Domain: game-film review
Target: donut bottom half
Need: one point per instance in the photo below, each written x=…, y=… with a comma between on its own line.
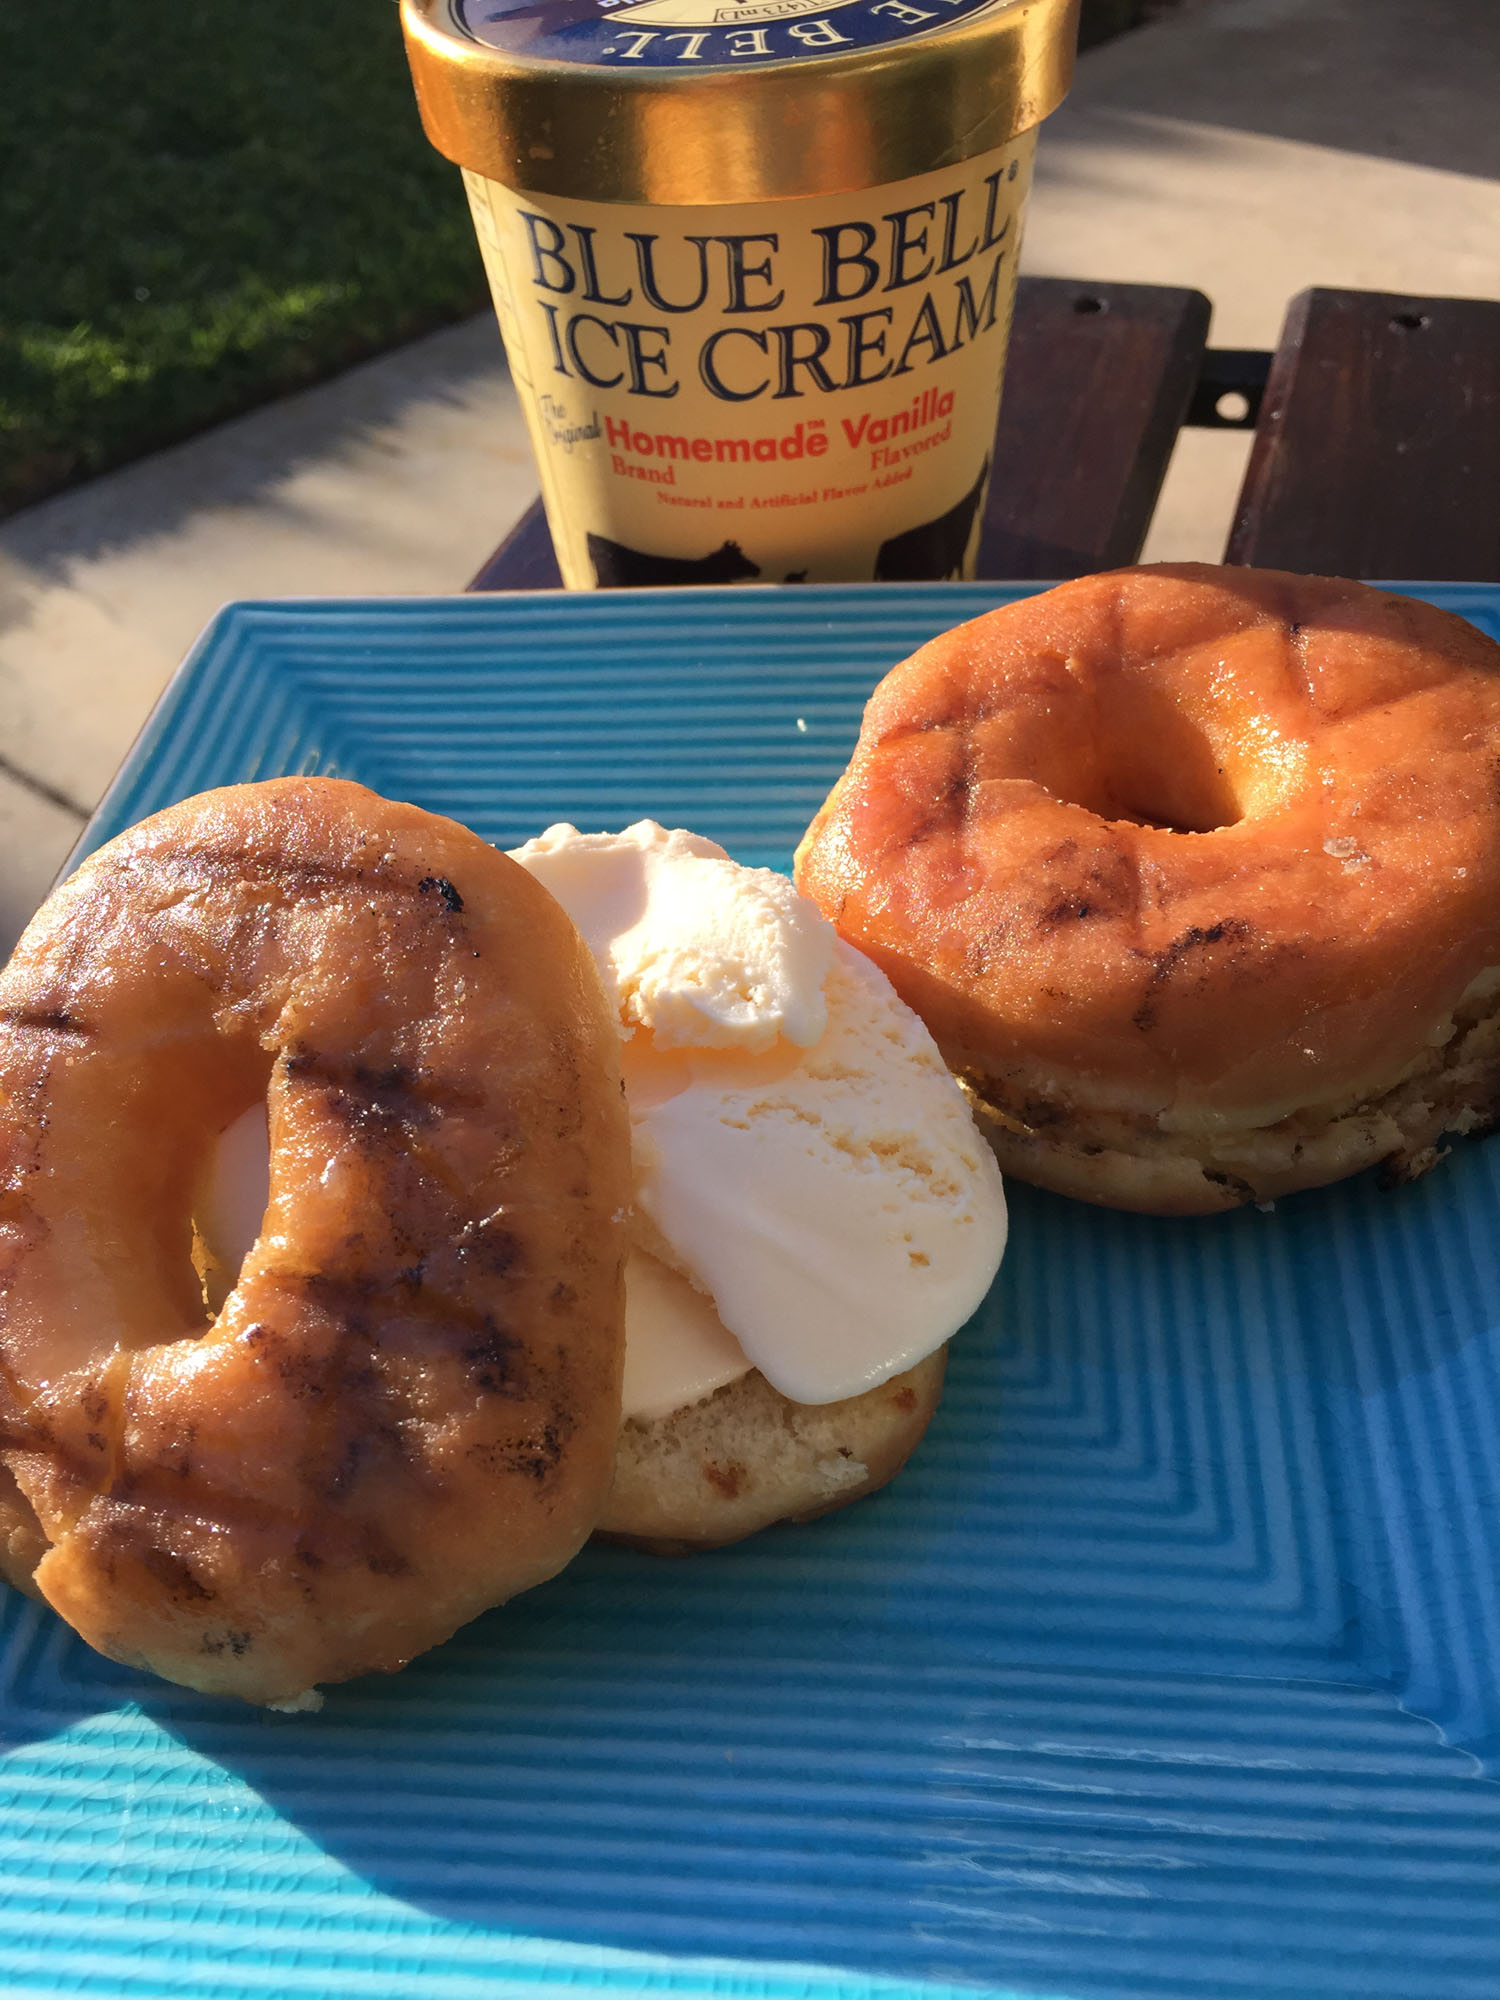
x=746, y=1457
x=1117, y=1160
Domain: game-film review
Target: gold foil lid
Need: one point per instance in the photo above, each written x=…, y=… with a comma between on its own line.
x=711, y=101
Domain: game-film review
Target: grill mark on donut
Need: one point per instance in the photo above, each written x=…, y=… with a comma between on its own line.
x=337, y=1378
x=52, y=1021
x=1165, y=964
x=1298, y=662
x=424, y=1155
x=950, y=804
x=568, y=1094
x=952, y=809
x=499, y=1253
x=895, y=733
x=384, y=1558
x=305, y=1375
x=475, y=1337
x=183, y=875
x=349, y=1302
x=94, y=1464
x=143, y=1523
x=22, y=1405
x=1069, y=908
x=389, y=1112
x=297, y=878
x=302, y=871
x=337, y=1482
x=339, y=1301
x=174, y=1571
x=903, y=731
x=1106, y=887
x=491, y=1360
x=215, y=1643
x=981, y=950
x=535, y=1458
x=445, y=889
x=392, y=1096
x=358, y=1437
x=175, y=1456
x=58, y=1484
x=342, y=1384
x=348, y=1387
x=958, y=793
x=345, y=1299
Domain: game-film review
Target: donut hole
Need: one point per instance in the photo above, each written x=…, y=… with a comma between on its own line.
x=229, y=1209
x=1177, y=789
x=1157, y=767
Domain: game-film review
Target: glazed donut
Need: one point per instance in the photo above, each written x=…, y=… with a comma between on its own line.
x=407, y=1409
x=1194, y=874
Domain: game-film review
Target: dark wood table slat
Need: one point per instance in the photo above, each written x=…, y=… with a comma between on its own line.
x=1098, y=382
x=525, y=560
x=1378, y=448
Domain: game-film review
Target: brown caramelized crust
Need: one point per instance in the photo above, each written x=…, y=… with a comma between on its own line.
x=1174, y=860
x=407, y=1409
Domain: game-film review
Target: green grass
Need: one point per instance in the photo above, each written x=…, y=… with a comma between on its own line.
x=201, y=208
x=204, y=207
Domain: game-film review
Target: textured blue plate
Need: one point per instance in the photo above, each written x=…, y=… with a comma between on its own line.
x=1170, y=1668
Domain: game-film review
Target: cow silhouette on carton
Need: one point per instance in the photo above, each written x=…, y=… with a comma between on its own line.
x=617, y=567
x=933, y=548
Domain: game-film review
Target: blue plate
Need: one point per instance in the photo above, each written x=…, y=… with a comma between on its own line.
x=1171, y=1667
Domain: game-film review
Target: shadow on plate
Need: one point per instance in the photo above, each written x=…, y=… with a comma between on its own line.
x=1195, y=1544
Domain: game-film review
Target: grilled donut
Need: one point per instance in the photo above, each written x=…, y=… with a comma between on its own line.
x=1194, y=874
x=407, y=1408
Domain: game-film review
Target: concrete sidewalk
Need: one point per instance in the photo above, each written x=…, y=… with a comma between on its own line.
x=1245, y=147
x=397, y=477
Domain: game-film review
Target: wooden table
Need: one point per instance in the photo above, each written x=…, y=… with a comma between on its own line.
x=1376, y=453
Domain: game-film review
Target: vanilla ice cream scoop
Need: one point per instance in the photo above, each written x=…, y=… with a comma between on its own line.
x=704, y=953
x=801, y=1153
